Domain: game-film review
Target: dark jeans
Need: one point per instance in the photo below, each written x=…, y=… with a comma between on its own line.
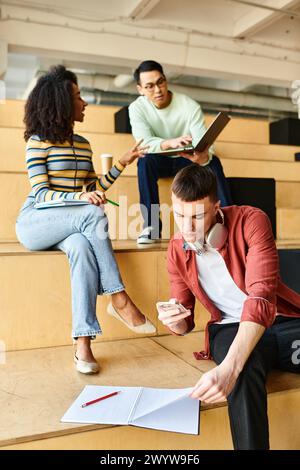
x=153, y=167
x=247, y=403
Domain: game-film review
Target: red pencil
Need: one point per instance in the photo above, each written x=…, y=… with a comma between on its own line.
x=99, y=399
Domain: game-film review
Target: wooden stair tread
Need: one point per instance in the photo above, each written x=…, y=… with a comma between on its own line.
x=38, y=386
x=288, y=244
x=10, y=247
x=12, y=144
x=183, y=347
x=100, y=119
x=119, y=246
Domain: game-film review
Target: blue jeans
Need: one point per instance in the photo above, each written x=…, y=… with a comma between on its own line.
x=153, y=167
x=78, y=232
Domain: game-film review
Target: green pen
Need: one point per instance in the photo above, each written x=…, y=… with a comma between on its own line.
x=113, y=203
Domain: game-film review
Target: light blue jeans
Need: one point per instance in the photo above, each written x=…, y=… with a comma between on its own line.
x=78, y=232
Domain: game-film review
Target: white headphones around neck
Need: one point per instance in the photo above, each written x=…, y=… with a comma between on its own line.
x=215, y=238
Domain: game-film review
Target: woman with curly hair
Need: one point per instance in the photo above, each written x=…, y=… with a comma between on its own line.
x=60, y=166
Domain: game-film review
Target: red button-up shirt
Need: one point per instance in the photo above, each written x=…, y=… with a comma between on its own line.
x=251, y=257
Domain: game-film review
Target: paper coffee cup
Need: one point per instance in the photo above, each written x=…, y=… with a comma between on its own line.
x=106, y=162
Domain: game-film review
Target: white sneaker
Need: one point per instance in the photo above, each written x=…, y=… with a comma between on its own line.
x=145, y=237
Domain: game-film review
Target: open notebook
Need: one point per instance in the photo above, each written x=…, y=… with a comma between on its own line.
x=60, y=202
x=154, y=408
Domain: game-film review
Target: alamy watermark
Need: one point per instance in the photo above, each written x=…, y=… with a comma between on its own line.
x=126, y=221
x=296, y=354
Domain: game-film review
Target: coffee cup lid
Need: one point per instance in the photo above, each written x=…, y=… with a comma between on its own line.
x=106, y=155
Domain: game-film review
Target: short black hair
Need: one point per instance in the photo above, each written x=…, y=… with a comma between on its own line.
x=147, y=66
x=49, y=109
x=195, y=182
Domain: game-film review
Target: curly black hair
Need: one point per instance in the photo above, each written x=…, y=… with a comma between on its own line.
x=49, y=108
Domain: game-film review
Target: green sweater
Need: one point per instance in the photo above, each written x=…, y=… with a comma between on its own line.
x=182, y=116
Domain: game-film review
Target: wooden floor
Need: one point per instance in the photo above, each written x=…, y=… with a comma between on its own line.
x=38, y=386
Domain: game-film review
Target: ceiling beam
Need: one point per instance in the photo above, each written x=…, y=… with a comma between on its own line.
x=261, y=16
x=125, y=46
x=107, y=48
x=141, y=8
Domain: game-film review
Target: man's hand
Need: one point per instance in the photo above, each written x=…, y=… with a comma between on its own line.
x=197, y=157
x=173, y=318
x=94, y=197
x=176, y=143
x=215, y=385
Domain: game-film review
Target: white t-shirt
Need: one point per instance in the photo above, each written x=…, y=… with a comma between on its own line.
x=218, y=284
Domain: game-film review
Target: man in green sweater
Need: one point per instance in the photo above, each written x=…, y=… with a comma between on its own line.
x=166, y=120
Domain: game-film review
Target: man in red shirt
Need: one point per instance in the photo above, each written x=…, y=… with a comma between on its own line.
x=228, y=261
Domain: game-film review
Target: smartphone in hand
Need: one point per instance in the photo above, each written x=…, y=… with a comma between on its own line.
x=166, y=306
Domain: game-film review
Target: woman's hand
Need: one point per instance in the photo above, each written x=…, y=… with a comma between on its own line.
x=95, y=197
x=133, y=154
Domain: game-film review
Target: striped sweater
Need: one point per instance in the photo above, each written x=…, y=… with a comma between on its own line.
x=58, y=170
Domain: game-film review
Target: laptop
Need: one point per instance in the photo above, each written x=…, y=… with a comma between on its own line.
x=207, y=139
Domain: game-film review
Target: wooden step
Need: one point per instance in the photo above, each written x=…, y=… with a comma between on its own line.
x=288, y=224
x=12, y=150
x=14, y=187
x=12, y=147
x=37, y=387
x=183, y=345
x=288, y=244
x=44, y=297
x=253, y=152
x=288, y=194
x=238, y=130
x=97, y=118
x=39, y=377
x=101, y=119
x=280, y=384
x=42, y=308
x=275, y=161
x=280, y=171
